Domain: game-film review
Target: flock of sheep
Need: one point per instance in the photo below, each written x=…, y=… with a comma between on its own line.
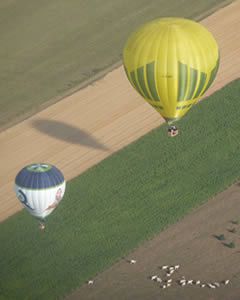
x=167, y=282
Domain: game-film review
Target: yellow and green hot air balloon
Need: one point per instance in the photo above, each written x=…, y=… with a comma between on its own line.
x=171, y=62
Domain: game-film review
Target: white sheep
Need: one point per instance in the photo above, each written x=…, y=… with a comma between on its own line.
x=226, y=281
x=197, y=282
x=217, y=284
x=169, y=280
x=133, y=261
x=90, y=282
x=176, y=267
x=182, y=280
x=203, y=285
x=163, y=286
x=153, y=277
x=190, y=281
x=164, y=267
x=211, y=286
x=158, y=279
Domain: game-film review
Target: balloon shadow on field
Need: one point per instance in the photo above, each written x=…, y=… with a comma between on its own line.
x=67, y=133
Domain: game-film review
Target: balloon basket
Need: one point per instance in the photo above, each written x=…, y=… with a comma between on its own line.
x=42, y=225
x=172, y=132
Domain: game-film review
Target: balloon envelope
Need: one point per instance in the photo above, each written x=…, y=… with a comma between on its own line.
x=40, y=188
x=171, y=62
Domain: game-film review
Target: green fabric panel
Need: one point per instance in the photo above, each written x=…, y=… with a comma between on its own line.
x=141, y=80
x=157, y=106
x=182, y=81
x=212, y=76
x=193, y=83
x=151, y=81
x=203, y=78
x=135, y=83
x=127, y=73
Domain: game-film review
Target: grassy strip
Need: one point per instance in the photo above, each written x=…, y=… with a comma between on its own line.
x=49, y=47
x=126, y=199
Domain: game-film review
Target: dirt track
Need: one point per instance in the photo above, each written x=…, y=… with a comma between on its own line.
x=86, y=127
x=189, y=243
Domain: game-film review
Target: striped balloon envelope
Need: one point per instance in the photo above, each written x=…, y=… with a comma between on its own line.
x=40, y=188
x=171, y=62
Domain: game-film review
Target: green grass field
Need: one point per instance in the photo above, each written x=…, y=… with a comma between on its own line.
x=128, y=198
x=50, y=47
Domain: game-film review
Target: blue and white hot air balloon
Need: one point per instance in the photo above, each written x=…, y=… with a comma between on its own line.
x=40, y=188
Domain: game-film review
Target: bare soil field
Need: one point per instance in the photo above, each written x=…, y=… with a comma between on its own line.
x=192, y=244
x=86, y=127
